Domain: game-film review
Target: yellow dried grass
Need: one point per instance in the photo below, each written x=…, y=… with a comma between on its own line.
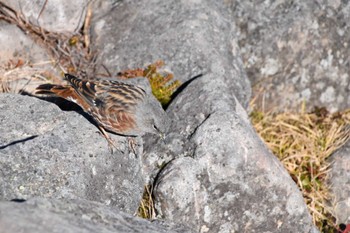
x=303, y=142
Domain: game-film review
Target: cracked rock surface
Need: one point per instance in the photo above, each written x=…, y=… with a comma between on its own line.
x=213, y=173
x=229, y=181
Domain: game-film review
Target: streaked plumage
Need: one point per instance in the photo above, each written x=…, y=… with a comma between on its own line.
x=119, y=107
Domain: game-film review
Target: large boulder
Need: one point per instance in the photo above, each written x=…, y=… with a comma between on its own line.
x=212, y=172
x=340, y=183
x=74, y=216
x=61, y=16
x=296, y=51
x=228, y=179
x=48, y=152
x=217, y=176
x=192, y=37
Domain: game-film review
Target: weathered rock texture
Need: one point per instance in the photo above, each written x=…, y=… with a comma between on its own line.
x=75, y=216
x=22, y=46
x=230, y=183
x=340, y=184
x=54, y=16
x=220, y=177
x=192, y=37
x=47, y=152
x=295, y=51
x=211, y=173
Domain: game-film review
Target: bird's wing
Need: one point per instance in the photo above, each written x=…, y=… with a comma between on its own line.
x=85, y=89
x=115, y=102
x=108, y=94
x=112, y=102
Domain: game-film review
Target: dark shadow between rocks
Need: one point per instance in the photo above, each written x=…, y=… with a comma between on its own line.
x=181, y=88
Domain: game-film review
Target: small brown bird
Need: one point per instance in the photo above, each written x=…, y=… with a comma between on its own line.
x=116, y=106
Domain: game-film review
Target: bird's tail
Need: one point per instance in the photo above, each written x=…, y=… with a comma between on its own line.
x=66, y=92
x=49, y=89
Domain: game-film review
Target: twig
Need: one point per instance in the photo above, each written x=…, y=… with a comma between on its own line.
x=87, y=24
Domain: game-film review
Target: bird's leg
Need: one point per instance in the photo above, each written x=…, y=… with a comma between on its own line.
x=132, y=144
x=111, y=143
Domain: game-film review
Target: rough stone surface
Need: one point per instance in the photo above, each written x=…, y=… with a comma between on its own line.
x=47, y=152
x=192, y=37
x=20, y=48
x=340, y=184
x=295, y=51
x=55, y=15
x=230, y=182
x=216, y=174
x=49, y=215
x=211, y=173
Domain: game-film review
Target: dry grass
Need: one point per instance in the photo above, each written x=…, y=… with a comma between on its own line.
x=68, y=53
x=19, y=77
x=303, y=142
x=161, y=81
x=146, y=209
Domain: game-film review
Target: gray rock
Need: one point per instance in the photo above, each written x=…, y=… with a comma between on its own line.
x=52, y=153
x=212, y=173
x=231, y=182
x=340, y=183
x=296, y=51
x=15, y=44
x=75, y=216
x=60, y=16
x=216, y=174
x=192, y=37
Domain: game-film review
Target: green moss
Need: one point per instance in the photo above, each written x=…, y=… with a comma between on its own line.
x=161, y=82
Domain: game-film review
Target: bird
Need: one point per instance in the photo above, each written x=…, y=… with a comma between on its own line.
x=117, y=106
